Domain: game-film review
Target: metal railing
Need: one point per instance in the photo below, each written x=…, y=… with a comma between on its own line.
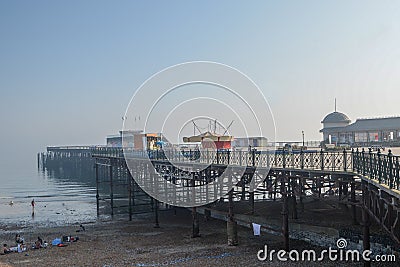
x=385, y=169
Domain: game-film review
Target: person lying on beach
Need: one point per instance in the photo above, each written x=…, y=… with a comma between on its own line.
x=21, y=248
x=5, y=250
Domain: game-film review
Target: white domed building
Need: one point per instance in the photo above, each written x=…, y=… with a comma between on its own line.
x=338, y=129
x=333, y=125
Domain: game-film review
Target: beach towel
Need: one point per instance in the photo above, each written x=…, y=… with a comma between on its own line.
x=256, y=229
x=56, y=242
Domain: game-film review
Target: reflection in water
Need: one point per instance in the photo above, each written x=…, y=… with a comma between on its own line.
x=36, y=197
x=72, y=169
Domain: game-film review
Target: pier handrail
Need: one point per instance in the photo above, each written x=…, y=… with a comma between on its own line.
x=384, y=169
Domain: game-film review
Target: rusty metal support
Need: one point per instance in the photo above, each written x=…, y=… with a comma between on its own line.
x=293, y=201
x=157, y=224
x=195, y=223
x=127, y=177
x=366, y=234
x=243, y=196
x=285, y=217
x=353, y=202
x=231, y=225
x=251, y=199
x=365, y=220
x=301, y=194
x=111, y=190
x=97, y=189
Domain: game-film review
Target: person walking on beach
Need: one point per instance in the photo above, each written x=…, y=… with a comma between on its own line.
x=33, y=206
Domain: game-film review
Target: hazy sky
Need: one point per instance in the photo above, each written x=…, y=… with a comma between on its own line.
x=69, y=68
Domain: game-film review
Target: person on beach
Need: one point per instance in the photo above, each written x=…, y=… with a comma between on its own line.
x=5, y=250
x=21, y=248
x=38, y=243
x=19, y=239
x=33, y=205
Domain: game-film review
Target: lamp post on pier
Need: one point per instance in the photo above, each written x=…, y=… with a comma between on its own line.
x=302, y=132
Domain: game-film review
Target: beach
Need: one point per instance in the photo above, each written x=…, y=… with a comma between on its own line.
x=138, y=243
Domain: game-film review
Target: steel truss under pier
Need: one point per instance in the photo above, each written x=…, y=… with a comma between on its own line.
x=116, y=188
x=364, y=180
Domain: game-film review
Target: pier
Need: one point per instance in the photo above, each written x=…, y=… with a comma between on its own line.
x=367, y=182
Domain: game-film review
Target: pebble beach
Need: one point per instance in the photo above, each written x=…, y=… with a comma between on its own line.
x=138, y=243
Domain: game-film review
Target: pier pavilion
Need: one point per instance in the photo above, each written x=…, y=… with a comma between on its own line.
x=338, y=129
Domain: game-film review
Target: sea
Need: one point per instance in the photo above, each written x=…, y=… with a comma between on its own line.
x=61, y=198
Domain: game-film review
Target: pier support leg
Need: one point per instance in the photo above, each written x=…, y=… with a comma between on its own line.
x=353, y=201
x=301, y=195
x=97, y=190
x=294, y=207
x=157, y=224
x=133, y=189
x=293, y=200
x=285, y=220
x=366, y=237
x=319, y=184
x=251, y=199
x=111, y=190
x=231, y=225
x=196, y=226
x=243, y=197
x=231, y=228
x=130, y=196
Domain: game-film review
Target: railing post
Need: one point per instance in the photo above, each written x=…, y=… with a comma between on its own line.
x=254, y=156
x=284, y=158
x=322, y=160
x=390, y=162
x=397, y=172
x=217, y=156
x=371, y=170
x=358, y=160
x=353, y=160
x=301, y=159
x=363, y=161
x=379, y=166
x=344, y=160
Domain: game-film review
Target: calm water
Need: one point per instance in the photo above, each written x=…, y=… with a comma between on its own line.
x=61, y=197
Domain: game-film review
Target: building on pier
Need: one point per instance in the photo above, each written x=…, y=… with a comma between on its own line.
x=338, y=129
x=257, y=142
x=134, y=139
x=210, y=140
